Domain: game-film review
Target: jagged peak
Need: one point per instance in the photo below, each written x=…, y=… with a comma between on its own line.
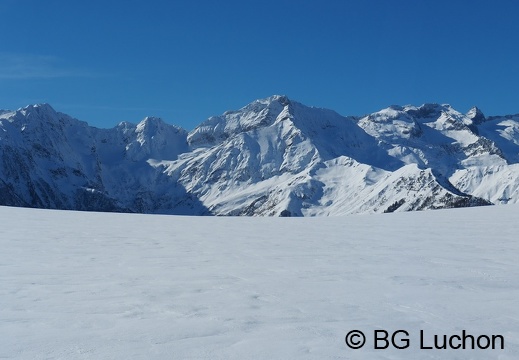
x=390, y=113
x=259, y=104
x=428, y=110
x=435, y=107
x=152, y=124
x=37, y=113
x=476, y=115
x=42, y=108
x=423, y=111
x=259, y=113
x=282, y=99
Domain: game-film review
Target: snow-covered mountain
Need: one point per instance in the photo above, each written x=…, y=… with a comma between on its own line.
x=273, y=157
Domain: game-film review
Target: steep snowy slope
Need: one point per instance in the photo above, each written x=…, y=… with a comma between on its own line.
x=273, y=157
x=90, y=286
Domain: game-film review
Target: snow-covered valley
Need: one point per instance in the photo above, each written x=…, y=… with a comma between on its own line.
x=86, y=285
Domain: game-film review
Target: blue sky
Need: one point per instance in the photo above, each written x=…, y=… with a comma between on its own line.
x=108, y=61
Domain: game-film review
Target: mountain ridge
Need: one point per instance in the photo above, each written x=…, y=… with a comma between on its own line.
x=273, y=157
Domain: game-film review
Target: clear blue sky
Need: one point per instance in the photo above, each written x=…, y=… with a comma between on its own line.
x=109, y=61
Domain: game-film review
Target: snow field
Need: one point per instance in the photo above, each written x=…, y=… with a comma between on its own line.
x=77, y=285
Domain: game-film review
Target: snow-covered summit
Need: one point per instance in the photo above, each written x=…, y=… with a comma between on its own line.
x=153, y=138
x=476, y=115
x=257, y=114
x=274, y=156
x=42, y=110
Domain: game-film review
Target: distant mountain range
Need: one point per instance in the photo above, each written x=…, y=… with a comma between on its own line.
x=273, y=157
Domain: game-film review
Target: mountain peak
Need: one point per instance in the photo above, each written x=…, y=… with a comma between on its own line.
x=476, y=115
x=282, y=99
x=428, y=110
x=42, y=106
x=152, y=125
x=152, y=119
x=36, y=114
x=38, y=109
x=257, y=114
x=149, y=123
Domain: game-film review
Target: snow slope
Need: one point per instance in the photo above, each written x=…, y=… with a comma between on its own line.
x=78, y=285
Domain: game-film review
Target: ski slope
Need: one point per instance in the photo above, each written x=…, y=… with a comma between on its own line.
x=78, y=285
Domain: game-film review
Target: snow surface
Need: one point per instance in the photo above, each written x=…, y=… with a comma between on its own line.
x=77, y=285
